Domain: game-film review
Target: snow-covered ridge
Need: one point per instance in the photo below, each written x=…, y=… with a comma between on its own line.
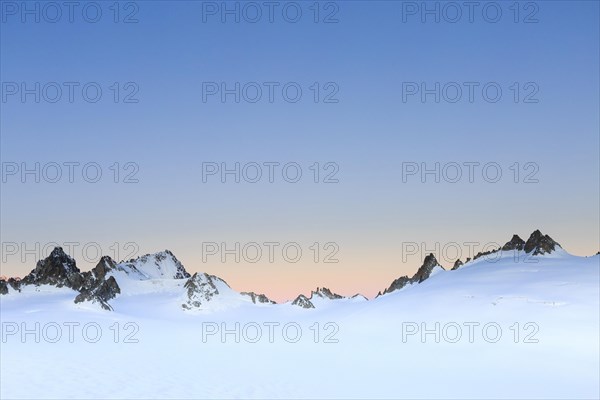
x=162, y=265
x=162, y=273
x=324, y=297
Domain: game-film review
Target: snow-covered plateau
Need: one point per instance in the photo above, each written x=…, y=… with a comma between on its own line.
x=521, y=322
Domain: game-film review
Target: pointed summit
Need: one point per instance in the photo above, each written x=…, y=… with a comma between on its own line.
x=539, y=244
x=200, y=289
x=104, y=266
x=303, y=301
x=162, y=265
x=457, y=265
x=426, y=269
x=58, y=269
x=516, y=243
x=429, y=265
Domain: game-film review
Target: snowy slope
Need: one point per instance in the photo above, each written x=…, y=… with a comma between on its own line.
x=547, y=308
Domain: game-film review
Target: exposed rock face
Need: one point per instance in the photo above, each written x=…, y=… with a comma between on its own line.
x=325, y=293
x=485, y=253
x=424, y=272
x=105, y=265
x=320, y=293
x=15, y=283
x=258, y=298
x=6, y=283
x=457, y=265
x=397, y=284
x=200, y=289
x=303, y=301
x=58, y=269
x=100, y=292
x=516, y=243
x=540, y=244
x=96, y=288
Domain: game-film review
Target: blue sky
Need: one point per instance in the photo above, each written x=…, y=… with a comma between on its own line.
x=369, y=133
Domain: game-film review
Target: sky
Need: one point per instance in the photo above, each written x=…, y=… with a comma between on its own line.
x=415, y=128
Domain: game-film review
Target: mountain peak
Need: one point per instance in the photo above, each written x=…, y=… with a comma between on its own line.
x=303, y=301
x=58, y=269
x=457, y=264
x=105, y=265
x=538, y=243
x=516, y=243
x=325, y=293
x=200, y=289
x=424, y=272
x=58, y=252
x=161, y=265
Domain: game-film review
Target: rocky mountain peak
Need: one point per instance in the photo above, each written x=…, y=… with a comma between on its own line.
x=161, y=265
x=325, y=293
x=424, y=272
x=429, y=263
x=58, y=269
x=200, y=289
x=303, y=301
x=538, y=243
x=516, y=243
x=105, y=265
x=457, y=265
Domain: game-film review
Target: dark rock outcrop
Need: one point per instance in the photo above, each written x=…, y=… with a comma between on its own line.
x=7, y=283
x=96, y=288
x=397, y=284
x=322, y=293
x=58, y=269
x=303, y=301
x=325, y=293
x=516, y=243
x=457, y=265
x=200, y=289
x=258, y=298
x=540, y=244
x=424, y=272
x=100, y=292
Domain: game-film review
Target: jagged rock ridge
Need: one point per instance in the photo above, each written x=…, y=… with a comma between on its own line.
x=60, y=270
x=258, y=298
x=424, y=272
x=539, y=243
x=320, y=294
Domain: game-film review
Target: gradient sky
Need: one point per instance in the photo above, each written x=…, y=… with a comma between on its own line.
x=369, y=133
